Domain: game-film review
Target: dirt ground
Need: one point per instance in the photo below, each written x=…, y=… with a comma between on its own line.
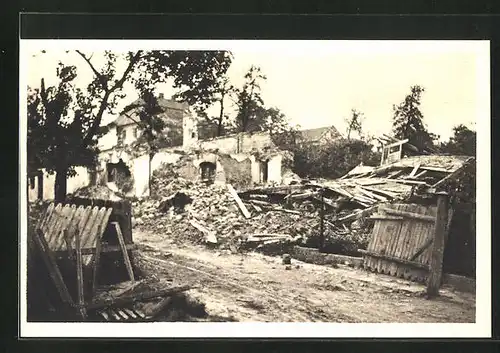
x=255, y=287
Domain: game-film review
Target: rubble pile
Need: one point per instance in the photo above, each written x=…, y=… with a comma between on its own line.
x=334, y=213
x=97, y=192
x=211, y=210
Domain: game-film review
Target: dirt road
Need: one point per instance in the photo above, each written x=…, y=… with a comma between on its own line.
x=255, y=287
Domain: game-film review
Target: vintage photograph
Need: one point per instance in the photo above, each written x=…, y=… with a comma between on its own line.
x=272, y=182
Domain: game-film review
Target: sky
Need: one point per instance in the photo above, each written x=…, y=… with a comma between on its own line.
x=317, y=83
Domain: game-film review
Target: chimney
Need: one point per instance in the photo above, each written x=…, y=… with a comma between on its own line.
x=161, y=96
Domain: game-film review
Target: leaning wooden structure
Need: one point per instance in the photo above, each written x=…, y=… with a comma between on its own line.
x=68, y=244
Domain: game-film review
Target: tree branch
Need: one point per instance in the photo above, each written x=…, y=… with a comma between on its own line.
x=97, y=73
x=131, y=64
x=104, y=102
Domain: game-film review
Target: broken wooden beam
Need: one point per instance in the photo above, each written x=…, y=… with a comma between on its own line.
x=357, y=215
x=394, y=259
x=113, y=302
x=240, y=203
x=436, y=260
x=414, y=171
x=126, y=258
x=52, y=267
x=453, y=174
x=209, y=235
x=408, y=214
x=105, y=248
x=390, y=194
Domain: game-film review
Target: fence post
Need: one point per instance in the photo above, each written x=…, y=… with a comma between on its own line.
x=436, y=261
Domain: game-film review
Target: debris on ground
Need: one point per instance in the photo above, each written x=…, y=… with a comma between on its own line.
x=98, y=192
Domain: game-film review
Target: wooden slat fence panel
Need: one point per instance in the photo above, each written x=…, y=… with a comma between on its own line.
x=401, y=239
x=90, y=221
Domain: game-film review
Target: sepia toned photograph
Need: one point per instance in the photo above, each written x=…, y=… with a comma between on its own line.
x=254, y=182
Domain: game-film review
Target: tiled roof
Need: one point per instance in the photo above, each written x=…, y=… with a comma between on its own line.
x=173, y=110
x=312, y=135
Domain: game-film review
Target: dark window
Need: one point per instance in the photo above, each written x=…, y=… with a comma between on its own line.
x=264, y=171
x=207, y=171
x=40, y=185
x=121, y=135
x=32, y=182
x=193, y=134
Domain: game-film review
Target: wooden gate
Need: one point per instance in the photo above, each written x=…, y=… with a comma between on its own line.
x=401, y=239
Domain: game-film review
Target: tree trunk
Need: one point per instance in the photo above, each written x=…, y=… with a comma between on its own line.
x=221, y=117
x=60, y=186
x=149, y=174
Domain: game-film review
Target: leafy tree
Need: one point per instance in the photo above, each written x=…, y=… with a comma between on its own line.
x=408, y=120
x=283, y=134
x=249, y=102
x=334, y=159
x=463, y=142
x=191, y=71
x=213, y=126
x=151, y=126
x=354, y=123
x=56, y=122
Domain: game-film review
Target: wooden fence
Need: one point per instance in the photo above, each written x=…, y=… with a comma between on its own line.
x=401, y=241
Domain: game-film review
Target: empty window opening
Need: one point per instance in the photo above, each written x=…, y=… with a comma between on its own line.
x=40, y=185
x=32, y=182
x=207, y=172
x=117, y=171
x=122, y=133
x=264, y=171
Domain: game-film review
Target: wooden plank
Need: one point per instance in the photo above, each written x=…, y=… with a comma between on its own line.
x=84, y=218
x=56, y=235
x=90, y=222
x=419, y=175
x=414, y=171
x=409, y=214
x=409, y=182
x=357, y=215
x=240, y=204
x=386, y=218
x=49, y=227
x=209, y=235
x=453, y=174
x=98, y=228
x=436, y=261
x=60, y=245
x=46, y=215
x=131, y=313
x=396, y=242
x=104, y=249
x=394, y=259
x=403, y=244
x=390, y=232
x=371, y=194
x=88, y=238
x=97, y=260
x=339, y=191
x=422, y=248
x=52, y=267
x=114, y=302
x=72, y=226
x=392, y=195
x=79, y=276
x=124, y=250
x=436, y=169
